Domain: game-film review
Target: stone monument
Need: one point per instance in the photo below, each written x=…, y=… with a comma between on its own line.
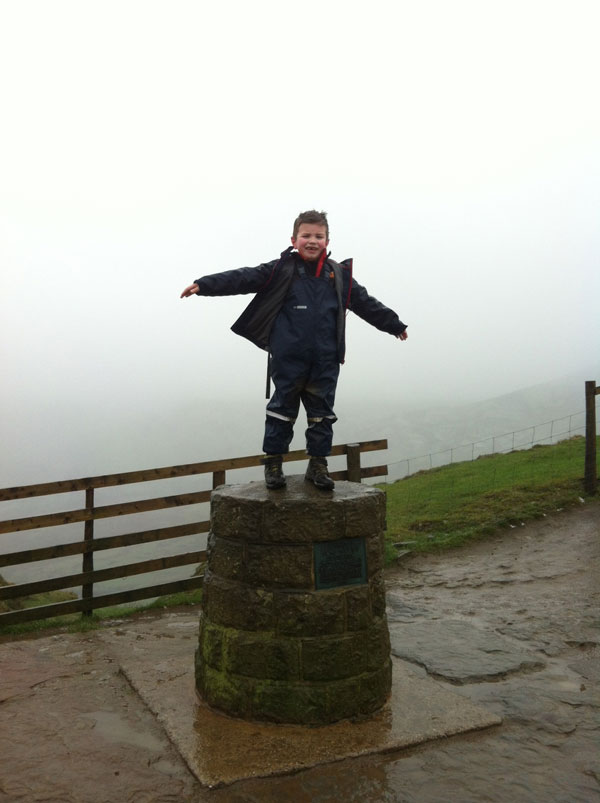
x=293, y=626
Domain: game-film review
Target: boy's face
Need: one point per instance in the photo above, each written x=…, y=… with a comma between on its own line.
x=310, y=240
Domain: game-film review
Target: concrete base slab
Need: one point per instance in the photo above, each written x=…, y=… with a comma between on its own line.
x=220, y=750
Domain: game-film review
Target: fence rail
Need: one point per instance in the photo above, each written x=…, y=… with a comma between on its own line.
x=90, y=545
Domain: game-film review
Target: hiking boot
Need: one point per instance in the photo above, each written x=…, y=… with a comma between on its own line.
x=274, y=476
x=318, y=475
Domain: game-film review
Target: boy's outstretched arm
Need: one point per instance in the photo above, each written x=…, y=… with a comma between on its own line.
x=232, y=282
x=189, y=291
x=374, y=312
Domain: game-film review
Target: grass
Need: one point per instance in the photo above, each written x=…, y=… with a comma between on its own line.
x=444, y=507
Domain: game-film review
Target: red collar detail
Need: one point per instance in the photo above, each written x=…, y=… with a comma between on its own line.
x=322, y=259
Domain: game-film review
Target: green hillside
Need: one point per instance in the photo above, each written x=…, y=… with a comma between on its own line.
x=445, y=506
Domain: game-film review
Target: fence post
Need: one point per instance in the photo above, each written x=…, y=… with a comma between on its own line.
x=87, y=589
x=590, y=481
x=353, y=462
x=218, y=479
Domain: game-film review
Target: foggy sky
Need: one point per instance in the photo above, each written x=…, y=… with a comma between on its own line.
x=454, y=146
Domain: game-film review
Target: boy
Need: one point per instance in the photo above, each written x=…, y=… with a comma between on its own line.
x=298, y=315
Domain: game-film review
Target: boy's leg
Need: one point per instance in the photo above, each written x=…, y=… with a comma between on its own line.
x=278, y=434
x=318, y=398
x=282, y=409
x=279, y=431
x=319, y=435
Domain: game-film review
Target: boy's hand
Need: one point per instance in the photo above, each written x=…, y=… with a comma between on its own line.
x=402, y=336
x=189, y=291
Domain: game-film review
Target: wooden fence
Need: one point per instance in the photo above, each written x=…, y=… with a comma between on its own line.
x=591, y=479
x=91, y=513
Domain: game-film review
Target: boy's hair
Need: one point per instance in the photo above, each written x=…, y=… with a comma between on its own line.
x=311, y=216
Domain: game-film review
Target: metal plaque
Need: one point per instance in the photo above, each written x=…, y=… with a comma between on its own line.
x=340, y=563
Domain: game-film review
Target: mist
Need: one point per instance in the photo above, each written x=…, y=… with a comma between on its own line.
x=454, y=146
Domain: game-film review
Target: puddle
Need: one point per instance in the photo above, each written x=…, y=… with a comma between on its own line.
x=112, y=728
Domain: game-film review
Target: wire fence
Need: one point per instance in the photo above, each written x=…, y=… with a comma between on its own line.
x=546, y=433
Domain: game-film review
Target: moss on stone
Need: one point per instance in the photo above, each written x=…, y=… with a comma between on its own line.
x=211, y=643
x=226, y=692
x=262, y=656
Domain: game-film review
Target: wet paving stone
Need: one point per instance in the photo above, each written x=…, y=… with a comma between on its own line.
x=458, y=651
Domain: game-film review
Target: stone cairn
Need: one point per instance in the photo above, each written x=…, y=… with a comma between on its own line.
x=293, y=626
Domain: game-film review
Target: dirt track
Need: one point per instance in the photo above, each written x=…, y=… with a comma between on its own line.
x=72, y=729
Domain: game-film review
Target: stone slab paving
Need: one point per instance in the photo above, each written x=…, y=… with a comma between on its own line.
x=221, y=750
x=24, y=669
x=458, y=651
x=72, y=730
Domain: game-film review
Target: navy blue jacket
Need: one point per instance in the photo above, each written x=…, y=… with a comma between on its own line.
x=271, y=281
